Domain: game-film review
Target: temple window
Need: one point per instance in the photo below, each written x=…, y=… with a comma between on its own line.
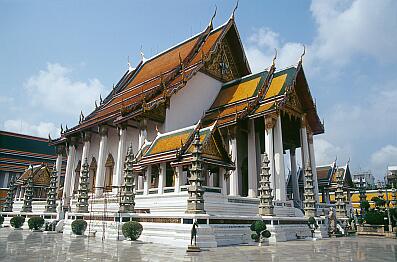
x=77, y=177
x=169, y=176
x=109, y=167
x=155, y=176
x=93, y=167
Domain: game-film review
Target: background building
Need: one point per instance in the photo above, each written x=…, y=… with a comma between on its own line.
x=391, y=177
x=366, y=177
x=18, y=152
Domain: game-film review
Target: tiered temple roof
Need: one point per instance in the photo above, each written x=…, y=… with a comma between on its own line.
x=40, y=173
x=152, y=83
x=176, y=146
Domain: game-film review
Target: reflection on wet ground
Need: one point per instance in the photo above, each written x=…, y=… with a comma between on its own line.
x=24, y=245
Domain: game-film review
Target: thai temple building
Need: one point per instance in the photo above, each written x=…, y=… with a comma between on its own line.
x=202, y=139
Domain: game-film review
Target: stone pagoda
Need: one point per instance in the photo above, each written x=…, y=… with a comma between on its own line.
x=127, y=203
x=265, y=191
x=363, y=195
x=82, y=200
x=10, y=197
x=394, y=196
x=309, y=200
x=339, y=197
x=195, y=202
x=51, y=206
x=28, y=198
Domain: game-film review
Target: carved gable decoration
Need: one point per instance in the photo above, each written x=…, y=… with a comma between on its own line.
x=293, y=105
x=42, y=177
x=222, y=65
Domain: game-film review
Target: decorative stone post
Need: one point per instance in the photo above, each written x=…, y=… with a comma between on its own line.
x=380, y=191
x=309, y=200
x=82, y=199
x=340, y=203
x=27, y=202
x=195, y=202
x=51, y=206
x=8, y=205
x=363, y=196
x=393, y=196
x=265, y=191
x=127, y=202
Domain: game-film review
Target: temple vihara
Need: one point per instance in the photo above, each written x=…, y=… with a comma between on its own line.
x=188, y=135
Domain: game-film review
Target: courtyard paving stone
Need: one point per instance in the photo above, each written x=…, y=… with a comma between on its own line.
x=27, y=246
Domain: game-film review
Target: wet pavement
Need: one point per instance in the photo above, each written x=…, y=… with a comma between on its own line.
x=24, y=245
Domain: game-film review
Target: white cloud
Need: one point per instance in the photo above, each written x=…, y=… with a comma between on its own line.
x=260, y=50
x=42, y=129
x=383, y=157
x=347, y=28
x=326, y=152
x=53, y=89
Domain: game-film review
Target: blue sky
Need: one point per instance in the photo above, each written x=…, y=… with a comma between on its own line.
x=56, y=57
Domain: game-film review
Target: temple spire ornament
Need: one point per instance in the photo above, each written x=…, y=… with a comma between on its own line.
x=28, y=198
x=309, y=201
x=212, y=18
x=8, y=204
x=340, y=203
x=195, y=202
x=51, y=206
x=127, y=203
x=234, y=10
x=82, y=199
x=265, y=191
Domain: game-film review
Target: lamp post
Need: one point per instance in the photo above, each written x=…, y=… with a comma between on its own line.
x=387, y=207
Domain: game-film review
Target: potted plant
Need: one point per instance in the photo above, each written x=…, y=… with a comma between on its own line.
x=132, y=230
x=17, y=222
x=261, y=234
x=312, y=224
x=35, y=223
x=79, y=226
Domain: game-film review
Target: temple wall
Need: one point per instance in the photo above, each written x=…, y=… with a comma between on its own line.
x=94, y=148
x=132, y=137
x=189, y=104
x=113, y=143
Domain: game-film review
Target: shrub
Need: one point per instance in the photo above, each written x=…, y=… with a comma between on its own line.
x=379, y=202
x=17, y=222
x=365, y=205
x=259, y=227
x=35, y=222
x=1, y=220
x=312, y=223
x=374, y=217
x=79, y=226
x=132, y=230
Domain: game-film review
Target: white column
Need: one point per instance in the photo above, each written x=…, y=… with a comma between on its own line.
x=178, y=178
x=148, y=178
x=140, y=183
x=210, y=178
x=234, y=174
x=58, y=164
x=252, y=157
x=121, y=152
x=313, y=166
x=100, y=172
x=223, y=180
x=269, y=148
x=279, y=161
x=304, y=145
x=294, y=176
x=142, y=132
x=6, y=178
x=162, y=177
x=69, y=174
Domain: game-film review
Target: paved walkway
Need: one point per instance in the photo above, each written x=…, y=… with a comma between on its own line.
x=30, y=246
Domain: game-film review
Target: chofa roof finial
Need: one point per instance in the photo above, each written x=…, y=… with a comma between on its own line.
x=275, y=57
x=304, y=52
x=234, y=10
x=213, y=16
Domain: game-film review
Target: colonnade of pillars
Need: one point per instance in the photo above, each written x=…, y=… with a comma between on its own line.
x=274, y=149
x=228, y=182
